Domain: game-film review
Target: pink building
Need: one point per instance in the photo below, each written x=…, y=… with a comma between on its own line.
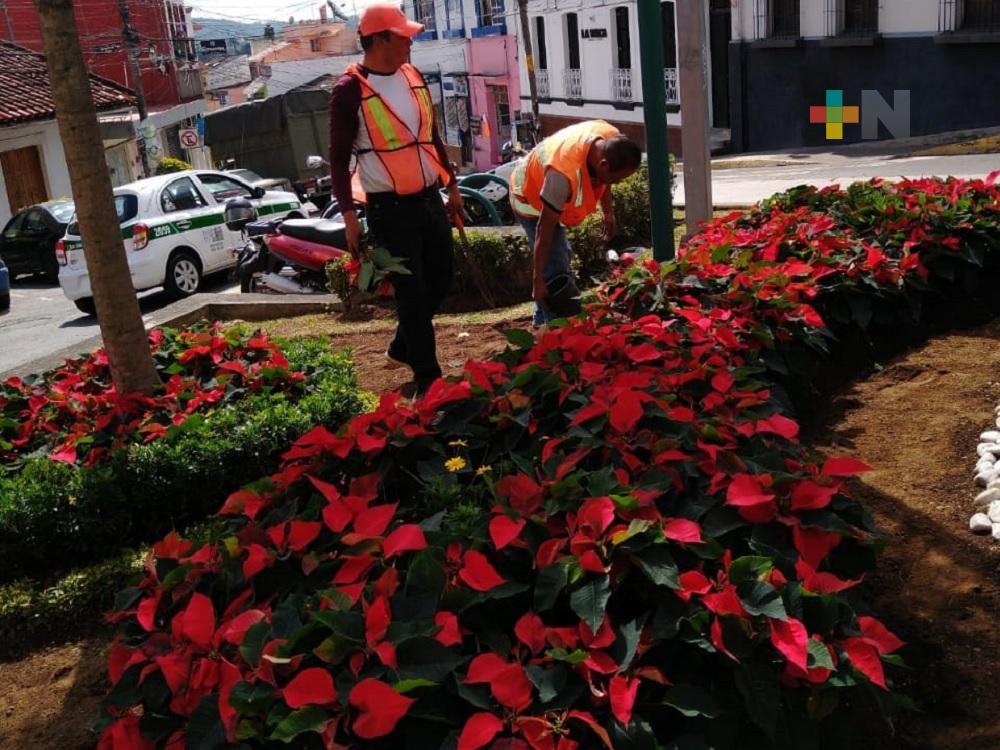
x=469, y=56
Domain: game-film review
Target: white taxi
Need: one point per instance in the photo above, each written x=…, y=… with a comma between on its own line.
x=173, y=230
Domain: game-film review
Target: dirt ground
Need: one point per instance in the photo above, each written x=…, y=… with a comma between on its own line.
x=916, y=421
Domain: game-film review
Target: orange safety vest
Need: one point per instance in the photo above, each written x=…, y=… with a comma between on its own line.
x=401, y=151
x=566, y=152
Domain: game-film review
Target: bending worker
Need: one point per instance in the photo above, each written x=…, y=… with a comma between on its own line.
x=381, y=113
x=558, y=185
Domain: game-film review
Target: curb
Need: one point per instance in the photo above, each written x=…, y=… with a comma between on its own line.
x=199, y=307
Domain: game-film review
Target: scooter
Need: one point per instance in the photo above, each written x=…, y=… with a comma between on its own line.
x=284, y=256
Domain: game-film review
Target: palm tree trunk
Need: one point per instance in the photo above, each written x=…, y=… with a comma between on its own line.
x=117, y=305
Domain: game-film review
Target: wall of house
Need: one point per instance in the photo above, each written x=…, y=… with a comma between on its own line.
x=598, y=56
x=100, y=29
x=45, y=136
x=895, y=17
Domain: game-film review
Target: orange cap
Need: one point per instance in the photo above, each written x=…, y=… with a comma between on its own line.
x=387, y=17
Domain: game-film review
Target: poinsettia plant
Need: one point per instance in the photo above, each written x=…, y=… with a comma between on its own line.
x=73, y=413
x=608, y=536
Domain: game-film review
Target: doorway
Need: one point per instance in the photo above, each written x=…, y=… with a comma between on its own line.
x=719, y=33
x=23, y=176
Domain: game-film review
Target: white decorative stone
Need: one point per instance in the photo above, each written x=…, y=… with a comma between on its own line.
x=998, y=421
x=996, y=531
x=980, y=523
x=984, y=449
x=987, y=458
x=990, y=436
x=982, y=466
x=993, y=484
x=993, y=511
x=983, y=478
x=986, y=497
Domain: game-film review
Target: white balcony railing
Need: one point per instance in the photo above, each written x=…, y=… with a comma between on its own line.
x=670, y=84
x=542, y=83
x=573, y=82
x=621, y=84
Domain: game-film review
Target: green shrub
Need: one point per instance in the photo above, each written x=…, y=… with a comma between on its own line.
x=169, y=165
x=54, y=516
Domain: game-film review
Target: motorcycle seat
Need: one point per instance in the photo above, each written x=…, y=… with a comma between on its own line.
x=322, y=231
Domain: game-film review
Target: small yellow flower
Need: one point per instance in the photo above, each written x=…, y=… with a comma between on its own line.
x=455, y=464
x=458, y=444
x=483, y=470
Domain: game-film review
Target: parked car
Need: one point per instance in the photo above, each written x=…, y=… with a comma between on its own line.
x=28, y=241
x=255, y=180
x=174, y=231
x=4, y=288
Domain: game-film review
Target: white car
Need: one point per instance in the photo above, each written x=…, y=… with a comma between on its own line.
x=173, y=230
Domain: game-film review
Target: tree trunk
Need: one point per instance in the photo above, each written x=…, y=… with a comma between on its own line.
x=111, y=283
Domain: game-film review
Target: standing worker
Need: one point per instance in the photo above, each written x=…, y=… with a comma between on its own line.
x=558, y=185
x=381, y=113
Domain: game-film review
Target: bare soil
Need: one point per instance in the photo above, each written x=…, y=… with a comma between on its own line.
x=916, y=421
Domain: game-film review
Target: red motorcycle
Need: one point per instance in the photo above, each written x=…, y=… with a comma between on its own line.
x=284, y=256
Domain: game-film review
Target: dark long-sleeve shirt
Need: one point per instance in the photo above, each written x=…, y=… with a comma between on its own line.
x=345, y=120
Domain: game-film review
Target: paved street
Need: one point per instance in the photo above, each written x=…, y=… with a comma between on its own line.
x=42, y=321
x=747, y=185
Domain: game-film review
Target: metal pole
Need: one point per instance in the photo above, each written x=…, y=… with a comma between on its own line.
x=131, y=42
x=529, y=61
x=695, y=113
x=654, y=97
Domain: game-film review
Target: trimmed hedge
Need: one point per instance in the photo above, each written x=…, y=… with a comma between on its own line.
x=55, y=516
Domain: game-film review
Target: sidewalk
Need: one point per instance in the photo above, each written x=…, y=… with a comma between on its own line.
x=737, y=182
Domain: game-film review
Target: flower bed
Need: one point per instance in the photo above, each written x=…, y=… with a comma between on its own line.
x=609, y=536
x=88, y=474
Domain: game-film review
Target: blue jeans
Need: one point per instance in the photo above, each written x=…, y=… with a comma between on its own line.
x=556, y=265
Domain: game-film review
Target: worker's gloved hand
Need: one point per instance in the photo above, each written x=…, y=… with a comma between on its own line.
x=538, y=291
x=352, y=227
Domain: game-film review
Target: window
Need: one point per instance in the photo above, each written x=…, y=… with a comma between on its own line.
x=314, y=45
x=34, y=222
x=423, y=12
x=778, y=19
x=669, y=35
x=981, y=15
x=623, y=42
x=860, y=16
x=181, y=195
x=223, y=188
x=13, y=226
x=126, y=206
x=572, y=41
x=491, y=12
x=62, y=211
x=541, y=54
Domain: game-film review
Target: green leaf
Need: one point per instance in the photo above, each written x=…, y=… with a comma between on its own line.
x=308, y=719
x=253, y=642
x=204, y=729
x=590, y=600
x=749, y=567
x=692, y=700
x=658, y=565
x=405, y=686
x=551, y=580
x=761, y=598
x=623, y=650
x=250, y=699
x=520, y=337
x=570, y=657
x=426, y=659
x=549, y=682
x=365, y=275
x=819, y=656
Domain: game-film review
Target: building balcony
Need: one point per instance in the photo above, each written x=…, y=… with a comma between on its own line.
x=621, y=84
x=542, y=84
x=671, y=86
x=573, y=83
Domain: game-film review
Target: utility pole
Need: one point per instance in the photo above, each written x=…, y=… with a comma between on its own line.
x=118, y=314
x=7, y=23
x=529, y=61
x=131, y=44
x=654, y=107
x=692, y=37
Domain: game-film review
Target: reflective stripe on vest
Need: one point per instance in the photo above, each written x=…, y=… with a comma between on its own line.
x=401, y=152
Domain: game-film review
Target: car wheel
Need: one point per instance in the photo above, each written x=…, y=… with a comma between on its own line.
x=86, y=305
x=183, y=275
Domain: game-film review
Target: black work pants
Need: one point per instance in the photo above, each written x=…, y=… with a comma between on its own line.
x=416, y=229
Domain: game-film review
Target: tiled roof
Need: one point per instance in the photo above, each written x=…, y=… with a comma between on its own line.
x=25, y=93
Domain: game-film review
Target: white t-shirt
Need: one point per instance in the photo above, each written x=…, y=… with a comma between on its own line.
x=395, y=91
